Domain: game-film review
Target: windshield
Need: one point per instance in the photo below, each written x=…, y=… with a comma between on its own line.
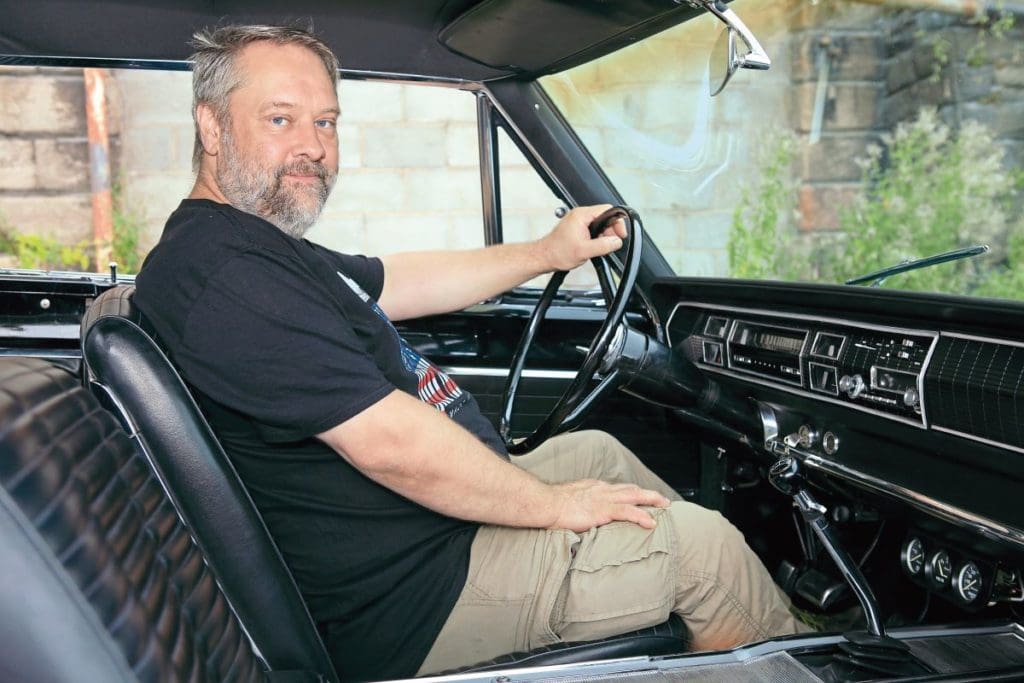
x=885, y=131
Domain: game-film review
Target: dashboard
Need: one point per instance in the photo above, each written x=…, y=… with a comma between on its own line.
x=915, y=401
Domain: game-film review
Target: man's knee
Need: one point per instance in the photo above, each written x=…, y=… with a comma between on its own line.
x=707, y=540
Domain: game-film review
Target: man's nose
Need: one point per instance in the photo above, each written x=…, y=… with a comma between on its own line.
x=308, y=142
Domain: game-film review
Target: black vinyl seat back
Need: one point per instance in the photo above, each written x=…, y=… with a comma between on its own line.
x=100, y=582
x=124, y=364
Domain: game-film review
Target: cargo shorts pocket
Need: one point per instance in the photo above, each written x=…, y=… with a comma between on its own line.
x=621, y=579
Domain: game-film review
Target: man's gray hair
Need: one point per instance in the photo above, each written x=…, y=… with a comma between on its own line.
x=214, y=72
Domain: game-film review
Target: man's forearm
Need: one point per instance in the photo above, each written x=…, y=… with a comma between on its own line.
x=422, y=455
x=431, y=282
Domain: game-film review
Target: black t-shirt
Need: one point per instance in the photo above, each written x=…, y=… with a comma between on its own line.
x=281, y=339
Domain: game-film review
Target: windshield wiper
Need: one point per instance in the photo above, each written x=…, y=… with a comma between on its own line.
x=879, y=276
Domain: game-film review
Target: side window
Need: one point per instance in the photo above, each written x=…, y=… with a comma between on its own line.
x=528, y=209
x=409, y=171
x=409, y=176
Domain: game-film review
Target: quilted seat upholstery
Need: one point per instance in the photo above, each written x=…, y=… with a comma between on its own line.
x=74, y=487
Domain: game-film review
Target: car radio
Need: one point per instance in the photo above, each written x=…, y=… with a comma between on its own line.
x=873, y=368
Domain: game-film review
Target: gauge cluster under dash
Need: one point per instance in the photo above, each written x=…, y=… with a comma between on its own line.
x=879, y=369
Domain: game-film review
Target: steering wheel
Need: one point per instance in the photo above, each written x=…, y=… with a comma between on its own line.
x=577, y=401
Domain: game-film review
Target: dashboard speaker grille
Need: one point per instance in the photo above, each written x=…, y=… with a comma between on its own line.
x=975, y=387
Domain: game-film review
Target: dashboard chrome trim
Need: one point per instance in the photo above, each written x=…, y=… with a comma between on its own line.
x=934, y=335
x=979, y=439
x=950, y=513
x=991, y=340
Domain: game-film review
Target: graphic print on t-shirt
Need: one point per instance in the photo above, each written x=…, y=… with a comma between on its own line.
x=433, y=386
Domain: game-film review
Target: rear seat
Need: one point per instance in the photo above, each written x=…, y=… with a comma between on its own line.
x=101, y=579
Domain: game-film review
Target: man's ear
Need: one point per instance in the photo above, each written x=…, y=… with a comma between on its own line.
x=209, y=129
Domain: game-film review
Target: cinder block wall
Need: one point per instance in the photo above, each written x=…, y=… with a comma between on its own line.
x=44, y=154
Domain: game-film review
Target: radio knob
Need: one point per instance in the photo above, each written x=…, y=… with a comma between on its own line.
x=853, y=385
x=911, y=397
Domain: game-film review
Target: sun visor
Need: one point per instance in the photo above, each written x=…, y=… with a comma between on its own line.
x=543, y=36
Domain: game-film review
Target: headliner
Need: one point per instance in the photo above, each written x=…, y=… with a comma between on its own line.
x=382, y=36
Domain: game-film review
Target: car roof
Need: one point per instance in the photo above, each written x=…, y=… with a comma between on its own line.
x=470, y=40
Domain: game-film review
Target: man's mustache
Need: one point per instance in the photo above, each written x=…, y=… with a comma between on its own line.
x=303, y=168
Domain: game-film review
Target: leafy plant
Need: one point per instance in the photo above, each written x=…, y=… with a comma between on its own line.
x=928, y=191
x=762, y=216
x=44, y=253
x=128, y=226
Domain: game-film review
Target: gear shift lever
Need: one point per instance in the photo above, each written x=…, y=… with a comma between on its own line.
x=785, y=476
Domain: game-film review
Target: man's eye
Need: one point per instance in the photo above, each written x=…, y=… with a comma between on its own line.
x=278, y=120
x=326, y=123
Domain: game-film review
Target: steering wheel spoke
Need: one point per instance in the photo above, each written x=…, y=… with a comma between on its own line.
x=577, y=401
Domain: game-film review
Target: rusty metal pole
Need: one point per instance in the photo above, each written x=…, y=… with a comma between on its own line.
x=99, y=165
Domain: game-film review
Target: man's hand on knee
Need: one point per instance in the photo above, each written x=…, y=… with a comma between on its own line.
x=589, y=503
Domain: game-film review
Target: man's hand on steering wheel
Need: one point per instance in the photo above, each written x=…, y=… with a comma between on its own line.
x=569, y=243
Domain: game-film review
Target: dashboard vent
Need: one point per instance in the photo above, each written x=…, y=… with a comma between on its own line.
x=973, y=387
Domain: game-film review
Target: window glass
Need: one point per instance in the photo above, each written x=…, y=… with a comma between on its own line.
x=883, y=132
x=528, y=210
x=409, y=176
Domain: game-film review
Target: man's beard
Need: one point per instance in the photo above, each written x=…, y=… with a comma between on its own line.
x=255, y=189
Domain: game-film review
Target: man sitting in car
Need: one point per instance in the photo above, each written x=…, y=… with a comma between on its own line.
x=417, y=544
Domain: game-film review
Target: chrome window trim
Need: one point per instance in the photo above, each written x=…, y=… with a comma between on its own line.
x=502, y=372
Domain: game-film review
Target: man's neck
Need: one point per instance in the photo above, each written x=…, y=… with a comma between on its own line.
x=206, y=187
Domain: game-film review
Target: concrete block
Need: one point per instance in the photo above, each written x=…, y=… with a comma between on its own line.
x=366, y=102
x=522, y=188
x=1010, y=75
x=906, y=103
x=442, y=189
x=707, y=230
x=404, y=146
x=853, y=57
x=438, y=105
x=17, y=164
x=461, y=145
x=342, y=232
x=62, y=164
x=390, y=233
x=153, y=97
x=149, y=150
x=153, y=198
x=849, y=106
x=820, y=205
x=39, y=104
x=350, y=145
x=466, y=231
x=703, y=263
x=834, y=158
x=358, y=191
x=1004, y=119
x=67, y=217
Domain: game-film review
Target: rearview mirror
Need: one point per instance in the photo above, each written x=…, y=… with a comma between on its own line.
x=727, y=57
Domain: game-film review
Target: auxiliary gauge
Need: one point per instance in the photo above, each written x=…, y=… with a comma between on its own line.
x=968, y=582
x=912, y=556
x=938, y=570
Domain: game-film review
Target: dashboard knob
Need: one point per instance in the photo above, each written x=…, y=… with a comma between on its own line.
x=853, y=385
x=911, y=397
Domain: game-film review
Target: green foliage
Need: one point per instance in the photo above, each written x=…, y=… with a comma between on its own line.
x=43, y=253
x=762, y=216
x=46, y=253
x=128, y=226
x=928, y=192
